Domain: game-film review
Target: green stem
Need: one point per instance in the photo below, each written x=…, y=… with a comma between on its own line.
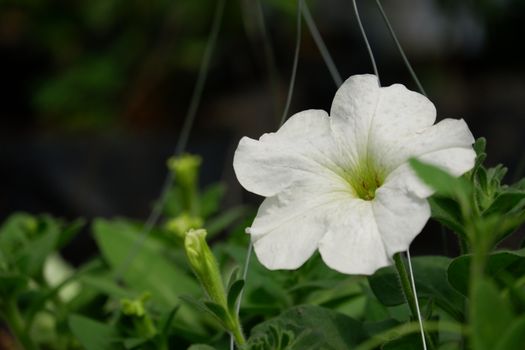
x=405, y=284
x=409, y=292
x=237, y=333
x=17, y=325
x=463, y=246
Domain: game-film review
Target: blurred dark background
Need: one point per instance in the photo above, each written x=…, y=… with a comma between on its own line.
x=94, y=92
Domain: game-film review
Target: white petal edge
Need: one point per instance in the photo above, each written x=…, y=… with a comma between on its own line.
x=364, y=113
x=447, y=134
x=297, y=150
x=353, y=244
x=400, y=217
x=455, y=161
x=286, y=231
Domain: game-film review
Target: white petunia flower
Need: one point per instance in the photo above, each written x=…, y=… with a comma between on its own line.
x=342, y=183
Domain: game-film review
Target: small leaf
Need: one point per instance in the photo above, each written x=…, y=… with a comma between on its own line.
x=217, y=310
x=307, y=327
x=150, y=269
x=225, y=219
x=69, y=232
x=408, y=342
x=134, y=343
x=480, y=145
x=106, y=284
x=514, y=337
x=116, y=239
x=430, y=274
x=505, y=202
x=11, y=284
x=198, y=304
x=201, y=347
x=33, y=255
x=94, y=335
x=167, y=321
x=441, y=181
x=511, y=262
x=491, y=316
x=233, y=294
x=447, y=212
x=210, y=199
x=234, y=276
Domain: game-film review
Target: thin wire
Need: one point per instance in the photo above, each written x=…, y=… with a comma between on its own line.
x=400, y=48
x=321, y=46
x=408, y=253
x=370, y=53
x=183, y=139
x=295, y=61
x=268, y=55
x=422, y=90
x=300, y=5
x=244, y=276
x=417, y=301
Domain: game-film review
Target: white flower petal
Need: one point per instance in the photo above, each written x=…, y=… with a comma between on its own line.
x=400, y=217
x=302, y=148
x=352, y=110
x=353, y=244
x=288, y=227
x=449, y=134
x=456, y=161
x=400, y=112
x=363, y=113
x=308, y=168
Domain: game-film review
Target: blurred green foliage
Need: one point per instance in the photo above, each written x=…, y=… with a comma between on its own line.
x=103, y=58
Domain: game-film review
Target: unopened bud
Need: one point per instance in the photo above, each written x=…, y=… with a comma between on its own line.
x=182, y=224
x=205, y=265
x=185, y=169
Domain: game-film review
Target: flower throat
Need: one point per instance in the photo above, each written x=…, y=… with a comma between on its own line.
x=365, y=180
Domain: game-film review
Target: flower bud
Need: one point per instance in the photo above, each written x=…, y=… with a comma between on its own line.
x=185, y=168
x=136, y=313
x=182, y=224
x=204, y=265
x=134, y=307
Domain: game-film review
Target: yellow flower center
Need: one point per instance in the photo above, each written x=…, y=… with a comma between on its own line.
x=365, y=179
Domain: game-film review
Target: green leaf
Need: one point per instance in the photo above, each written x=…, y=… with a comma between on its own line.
x=514, y=337
x=225, y=219
x=508, y=262
x=94, y=335
x=441, y=181
x=430, y=274
x=408, y=342
x=195, y=303
x=106, y=284
x=506, y=202
x=448, y=213
x=69, y=232
x=480, y=145
x=150, y=270
x=134, y=343
x=201, y=347
x=166, y=323
x=31, y=257
x=234, y=276
x=11, y=284
x=307, y=327
x=491, y=315
x=233, y=293
x=217, y=311
x=211, y=199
